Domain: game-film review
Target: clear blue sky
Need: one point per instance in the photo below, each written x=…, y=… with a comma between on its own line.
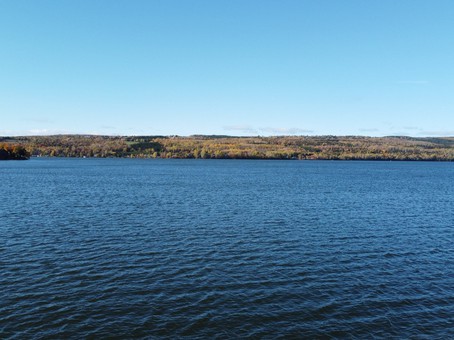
x=237, y=67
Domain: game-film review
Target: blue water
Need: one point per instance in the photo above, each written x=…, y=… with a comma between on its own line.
x=226, y=249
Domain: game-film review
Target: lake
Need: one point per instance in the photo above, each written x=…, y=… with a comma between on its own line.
x=226, y=249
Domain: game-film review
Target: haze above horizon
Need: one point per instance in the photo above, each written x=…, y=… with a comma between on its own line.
x=314, y=67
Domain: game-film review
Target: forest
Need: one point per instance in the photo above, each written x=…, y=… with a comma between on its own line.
x=230, y=147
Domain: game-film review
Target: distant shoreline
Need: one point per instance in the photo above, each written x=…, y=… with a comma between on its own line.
x=394, y=148
x=249, y=159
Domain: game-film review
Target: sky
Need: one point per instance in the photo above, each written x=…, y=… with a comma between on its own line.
x=229, y=67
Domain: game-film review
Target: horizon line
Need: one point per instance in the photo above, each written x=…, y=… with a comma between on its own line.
x=218, y=135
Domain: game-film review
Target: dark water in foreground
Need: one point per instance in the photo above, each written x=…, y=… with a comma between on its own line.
x=227, y=249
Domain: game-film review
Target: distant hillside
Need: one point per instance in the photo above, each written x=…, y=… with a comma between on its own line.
x=199, y=146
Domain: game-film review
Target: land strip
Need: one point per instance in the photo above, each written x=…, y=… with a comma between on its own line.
x=229, y=147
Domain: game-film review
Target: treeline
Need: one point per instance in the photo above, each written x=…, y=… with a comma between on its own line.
x=225, y=147
x=13, y=151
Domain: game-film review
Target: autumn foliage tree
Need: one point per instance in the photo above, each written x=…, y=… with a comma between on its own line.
x=8, y=151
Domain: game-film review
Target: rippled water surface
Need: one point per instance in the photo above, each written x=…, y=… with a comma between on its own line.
x=226, y=249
